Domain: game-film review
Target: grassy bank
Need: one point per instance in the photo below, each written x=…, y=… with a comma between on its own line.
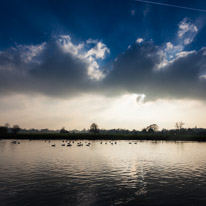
x=88, y=136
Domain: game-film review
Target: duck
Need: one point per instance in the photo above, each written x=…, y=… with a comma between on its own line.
x=79, y=144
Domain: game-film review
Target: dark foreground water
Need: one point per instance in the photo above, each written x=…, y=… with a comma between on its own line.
x=141, y=173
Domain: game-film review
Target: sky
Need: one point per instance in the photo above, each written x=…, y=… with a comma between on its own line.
x=121, y=64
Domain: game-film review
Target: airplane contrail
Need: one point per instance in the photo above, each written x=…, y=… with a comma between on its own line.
x=171, y=5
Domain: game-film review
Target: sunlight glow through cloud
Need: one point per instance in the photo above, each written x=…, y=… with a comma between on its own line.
x=76, y=81
x=140, y=98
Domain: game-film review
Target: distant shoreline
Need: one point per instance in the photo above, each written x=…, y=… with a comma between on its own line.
x=89, y=136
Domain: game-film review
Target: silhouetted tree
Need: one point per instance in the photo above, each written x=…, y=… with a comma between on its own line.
x=7, y=125
x=144, y=130
x=63, y=131
x=94, y=128
x=15, y=129
x=3, y=130
x=152, y=128
x=179, y=125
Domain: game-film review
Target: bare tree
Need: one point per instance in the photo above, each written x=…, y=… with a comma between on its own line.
x=179, y=125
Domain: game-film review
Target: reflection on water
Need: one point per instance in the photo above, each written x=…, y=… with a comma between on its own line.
x=143, y=173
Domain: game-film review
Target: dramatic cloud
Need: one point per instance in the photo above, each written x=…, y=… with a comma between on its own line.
x=57, y=67
x=61, y=68
x=136, y=71
x=166, y=71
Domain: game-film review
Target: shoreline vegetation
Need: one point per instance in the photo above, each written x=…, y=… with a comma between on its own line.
x=151, y=132
x=90, y=136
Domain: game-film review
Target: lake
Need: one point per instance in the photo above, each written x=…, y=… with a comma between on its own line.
x=126, y=173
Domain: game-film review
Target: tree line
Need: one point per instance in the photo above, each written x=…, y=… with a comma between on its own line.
x=95, y=129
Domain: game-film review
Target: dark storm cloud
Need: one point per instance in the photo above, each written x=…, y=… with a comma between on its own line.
x=137, y=71
x=182, y=78
x=132, y=69
x=60, y=72
x=50, y=70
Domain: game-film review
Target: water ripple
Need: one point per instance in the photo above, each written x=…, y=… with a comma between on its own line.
x=164, y=173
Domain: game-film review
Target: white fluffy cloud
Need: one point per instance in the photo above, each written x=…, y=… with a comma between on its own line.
x=185, y=35
x=98, y=51
x=136, y=71
x=139, y=40
x=30, y=52
x=187, y=31
x=57, y=67
x=64, y=69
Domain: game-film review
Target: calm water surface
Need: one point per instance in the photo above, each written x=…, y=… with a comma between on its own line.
x=140, y=173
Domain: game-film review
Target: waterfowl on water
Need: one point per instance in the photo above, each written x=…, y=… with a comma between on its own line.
x=79, y=144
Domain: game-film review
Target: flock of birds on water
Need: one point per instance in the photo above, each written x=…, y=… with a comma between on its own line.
x=81, y=144
x=15, y=142
x=78, y=144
